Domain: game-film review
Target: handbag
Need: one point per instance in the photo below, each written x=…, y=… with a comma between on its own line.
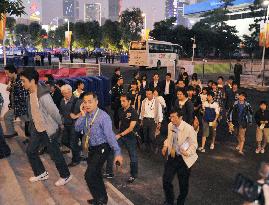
x=86, y=137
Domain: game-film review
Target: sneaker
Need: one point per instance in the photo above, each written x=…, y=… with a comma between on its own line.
x=201, y=149
x=41, y=177
x=63, y=181
x=258, y=150
x=131, y=179
x=262, y=151
x=212, y=146
x=108, y=176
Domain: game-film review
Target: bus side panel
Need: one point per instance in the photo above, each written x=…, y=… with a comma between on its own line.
x=167, y=59
x=138, y=58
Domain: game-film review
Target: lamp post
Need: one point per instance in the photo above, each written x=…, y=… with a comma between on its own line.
x=193, y=48
x=69, y=36
x=265, y=3
x=144, y=16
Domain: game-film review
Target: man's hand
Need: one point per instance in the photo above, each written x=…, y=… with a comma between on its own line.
x=61, y=127
x=118, y=136
x=118, y=159
x=164, y=150
x=196, y=124
x=184, y=152
x=82, y=110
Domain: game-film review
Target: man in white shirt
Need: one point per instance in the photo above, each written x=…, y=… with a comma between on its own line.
x=151, y=118
x=180, y=145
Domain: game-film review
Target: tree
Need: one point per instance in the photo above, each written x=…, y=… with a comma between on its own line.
x=34, y=31
x=87, y=34
x=131, y=23
x=10, y=25
x=111, y=35
x=163, y=30
x=11, y=7
x=22, y=35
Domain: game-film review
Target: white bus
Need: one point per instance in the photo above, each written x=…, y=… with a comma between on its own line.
x=153, y=54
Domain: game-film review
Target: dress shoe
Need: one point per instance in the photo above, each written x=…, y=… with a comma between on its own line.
x=73, y=164
x=10, y=136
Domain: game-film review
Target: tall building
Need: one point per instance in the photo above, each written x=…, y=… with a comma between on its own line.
x=92, y=12
x=69, y=10
x=114, y=9
x=52, y=11
x=175, y=8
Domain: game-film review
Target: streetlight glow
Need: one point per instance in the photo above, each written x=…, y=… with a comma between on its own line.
x=265, y=3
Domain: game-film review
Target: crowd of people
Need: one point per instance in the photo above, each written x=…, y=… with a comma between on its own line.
x=154, y=114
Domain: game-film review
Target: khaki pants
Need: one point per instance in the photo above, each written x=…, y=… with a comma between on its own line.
x=240, y=133
x=262, y=134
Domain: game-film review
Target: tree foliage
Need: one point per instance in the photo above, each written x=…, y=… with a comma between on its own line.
x=11, y=7
x=111, y=35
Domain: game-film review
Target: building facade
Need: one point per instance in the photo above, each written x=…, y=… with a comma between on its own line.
x=92, y=12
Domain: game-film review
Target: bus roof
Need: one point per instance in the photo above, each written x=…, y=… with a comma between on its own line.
x=159, y=42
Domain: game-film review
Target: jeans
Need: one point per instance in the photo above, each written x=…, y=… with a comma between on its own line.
x=172, y=167
x=93, y=175
x=70, y=134
x=4, y=148
x=41, y=138
x=129, y=141
x=9, y=122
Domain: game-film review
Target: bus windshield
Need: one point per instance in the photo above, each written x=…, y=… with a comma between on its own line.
x=138, y=45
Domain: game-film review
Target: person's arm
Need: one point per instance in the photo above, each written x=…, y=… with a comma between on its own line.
x=160, y=113
x=138, y=103
x=166, y=142
x=110, y=135
x=217, y=110
x=52, y=110
x=80, y=124
x=128, y=130
x=193, y=144
x=190, y=111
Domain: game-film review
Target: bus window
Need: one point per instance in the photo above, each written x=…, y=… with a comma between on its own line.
x=168, y=49
x=153, y=48
x=138, y=46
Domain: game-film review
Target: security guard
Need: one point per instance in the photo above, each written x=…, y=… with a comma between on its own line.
x=116, y=92
x=128, y=118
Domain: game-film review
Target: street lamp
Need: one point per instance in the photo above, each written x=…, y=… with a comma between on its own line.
x=193, y=48
x=265, y=3
x=69, y=36
x=145, y=20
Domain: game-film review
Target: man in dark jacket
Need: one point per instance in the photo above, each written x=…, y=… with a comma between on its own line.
x=115, y=76
x=262, y=131
x=238, y=69
x=168, y=89
x=116, y=92
x=18, y=105
x=49, y=58
x=156, y=82
x=184, y=105
x=69, y=110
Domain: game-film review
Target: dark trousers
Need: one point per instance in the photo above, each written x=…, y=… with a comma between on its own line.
x=237, y=79
x=116, y=119
x=93, y=175
x=168, y=102
x=172, y=167
x=149, y=128
x=42, y=139
x=71, y=138
x=4, y=148
x=129, y=141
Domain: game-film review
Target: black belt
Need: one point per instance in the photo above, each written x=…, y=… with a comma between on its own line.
x=148, y=118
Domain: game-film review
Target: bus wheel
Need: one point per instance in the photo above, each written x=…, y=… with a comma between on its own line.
x=142, y=67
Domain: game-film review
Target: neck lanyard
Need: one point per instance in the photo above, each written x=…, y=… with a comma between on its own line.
x=94, y=117
x=151, y=106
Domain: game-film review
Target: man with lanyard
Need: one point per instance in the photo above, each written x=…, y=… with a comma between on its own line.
x=99, y=139
x=128, y=119
x=180, y=145
x=116, y=92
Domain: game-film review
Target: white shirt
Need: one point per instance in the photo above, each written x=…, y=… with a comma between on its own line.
x=213, y=105
x=167, y=84
x=162, y=101
x=150, y=109
x=155, y=84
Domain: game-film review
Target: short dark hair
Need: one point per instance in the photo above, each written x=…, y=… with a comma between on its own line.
x=30, y=74
x=220, y=77
x=60, y=83
x=177, y=111
x=144, y=77
x=190, y=87
x=205, y=88
x=134, y=82
x=214, y=83
x=231, y=77
x=168, y=74
x=127, y=96
x=194, y=76
x=148, y=89
x=234, y=83
x=92, y=94
x=183, y=91
x=117, y=69
x=156, y=74
x=156, y=89
x=182, y=68
x=263, y=102
x=79, y=82
x=10, y=68
x=50, y=77
x=243, y=93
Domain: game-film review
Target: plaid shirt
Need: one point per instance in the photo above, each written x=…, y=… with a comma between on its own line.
x=19, y=96
x=219, y=98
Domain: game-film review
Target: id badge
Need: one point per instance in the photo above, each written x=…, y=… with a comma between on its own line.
x=262, y=126
x=210, y=124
